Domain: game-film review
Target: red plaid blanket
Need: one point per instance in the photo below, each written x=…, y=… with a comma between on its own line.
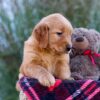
x=62, y=90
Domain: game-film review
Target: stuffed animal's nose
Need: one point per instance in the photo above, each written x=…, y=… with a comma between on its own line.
x=68, y=47
x=79, y=39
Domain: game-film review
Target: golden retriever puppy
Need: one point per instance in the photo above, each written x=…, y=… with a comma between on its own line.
x=46, y=52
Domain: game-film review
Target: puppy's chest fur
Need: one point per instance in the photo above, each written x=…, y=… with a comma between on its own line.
x=50, y=61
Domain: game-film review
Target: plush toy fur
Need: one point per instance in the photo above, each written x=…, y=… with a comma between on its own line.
x=85, y=60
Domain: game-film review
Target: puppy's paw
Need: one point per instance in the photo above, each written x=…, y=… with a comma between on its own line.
x=47, y=80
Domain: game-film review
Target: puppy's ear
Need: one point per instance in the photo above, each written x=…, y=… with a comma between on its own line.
x=41, y=32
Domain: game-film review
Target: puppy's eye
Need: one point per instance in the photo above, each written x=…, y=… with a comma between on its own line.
x=59, y=33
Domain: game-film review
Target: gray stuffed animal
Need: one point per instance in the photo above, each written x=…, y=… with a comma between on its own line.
x=85, y=60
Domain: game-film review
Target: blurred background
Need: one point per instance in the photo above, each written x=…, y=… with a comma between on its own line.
x=17, y=19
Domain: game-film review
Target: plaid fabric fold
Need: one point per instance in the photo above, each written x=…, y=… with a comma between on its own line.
x=62, y=90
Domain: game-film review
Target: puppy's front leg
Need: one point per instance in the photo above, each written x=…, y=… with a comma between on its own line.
x=41, y=74
x=63, y=72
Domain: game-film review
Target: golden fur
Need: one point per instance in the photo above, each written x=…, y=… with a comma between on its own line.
x=45, y=54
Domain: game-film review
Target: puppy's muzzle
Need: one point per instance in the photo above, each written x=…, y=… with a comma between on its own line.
x=68, y=48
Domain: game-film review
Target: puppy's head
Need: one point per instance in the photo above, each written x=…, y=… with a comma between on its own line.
x=54, y=32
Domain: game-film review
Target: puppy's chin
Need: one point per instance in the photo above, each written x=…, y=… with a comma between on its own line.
x=59, y=50
x=62, y=51
x=68, y=51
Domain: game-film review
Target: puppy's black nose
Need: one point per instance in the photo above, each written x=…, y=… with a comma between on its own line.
x=79, y=39
x=68, y=47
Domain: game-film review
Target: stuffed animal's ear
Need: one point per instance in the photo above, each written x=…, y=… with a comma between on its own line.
x=41, y=32
x=95, y=33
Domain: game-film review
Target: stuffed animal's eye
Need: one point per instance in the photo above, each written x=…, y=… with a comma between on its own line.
x=59, y=33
